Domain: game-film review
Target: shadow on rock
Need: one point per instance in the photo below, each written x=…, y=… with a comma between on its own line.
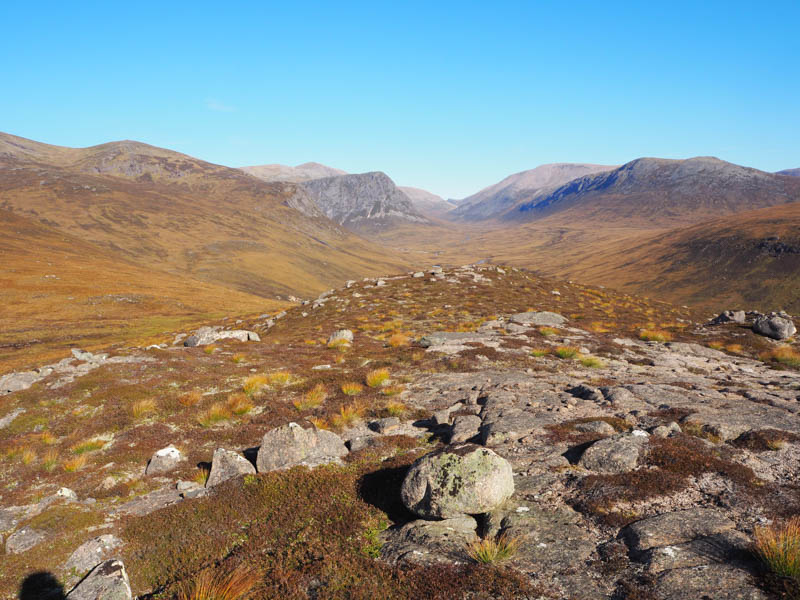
x=381, y=489
x=41, y=586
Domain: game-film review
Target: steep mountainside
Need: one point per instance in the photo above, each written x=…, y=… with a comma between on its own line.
x=496, y=199
x=427, y=203
x=660, y=193
x=304, y=172
x=363, y=201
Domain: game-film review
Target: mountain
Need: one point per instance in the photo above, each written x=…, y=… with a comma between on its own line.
x=427, y=203
x=365, y=201
x=304, y=172
x=789, y=172
x=496, y=199
x=171, y=214
x=657, y=192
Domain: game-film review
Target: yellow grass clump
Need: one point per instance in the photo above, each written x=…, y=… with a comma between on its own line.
x=209, y=349
x=395, y=408
x=786, y=355
x=254, y=383
x=211, y=585
x=566, y=352
x=352, y=389
x=312, y=398
x=655, y=335
x=377, y=378
x=399, y=339
x=239, y=404
x=87, y=446
x=216, y=413
x=347, y=416
x=50, y=460
x=142, y=408
x=778, y=546
x=75, y=463
x=493, y=550
x=392, y=390
x=190, y=398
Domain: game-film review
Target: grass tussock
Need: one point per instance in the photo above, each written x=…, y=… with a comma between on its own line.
x=392, y=390
x=655, y=335
x=87, y=446
x=785, y=355
x=313, y=398
x=212, y=585
x=352, y=389
x=143, y=408
x=592, y=362
x=778, y=546
x=210, y=349
x=539, y=352
x=239, y=404
x=347, y=416
x=238, y=358
x=50, y=460
x=377, y=378
x=214, y=414
x=201, y=477
x=493, y=550
x=398, y=340
x=254, y=384
x=566, y=352
x=548, y=331
x=75, y=463
x=190, y=398
x=395, y=408
x=340, y=344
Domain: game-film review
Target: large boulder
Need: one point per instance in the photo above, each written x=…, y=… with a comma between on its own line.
x=209, y=335
x=91, y=553
x=107, y=581
x=226, y=465
x=291, y=445
x=777, y=327
x=458, y=480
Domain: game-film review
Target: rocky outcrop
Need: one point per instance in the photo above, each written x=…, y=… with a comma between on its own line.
x=364, y=200
x=456, y=481
x=209, y=335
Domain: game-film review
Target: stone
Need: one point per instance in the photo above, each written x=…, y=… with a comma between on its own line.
x=543, y=318
x=774, y=326
x=385, y=425
x=667, y=430
x=418, y=274
x=729, y=316
x=617, y=454
x=600, y=427
x=91, y=553
x=227, y=464
x=209, y=335
x=107, y=581
x=429, y=542
x=291, y=445
x=465, y=427
x=457, y=480
x=672, y=528
x=726, y=547
x=67, y=494
x=9, y=418
x=163, y=461
x=23, y=540
x=342, y=334
x=708, y=582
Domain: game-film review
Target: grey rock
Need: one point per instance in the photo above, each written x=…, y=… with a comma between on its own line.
x=291, y=445
x=729, y=316
x=24, y=539
x=708, y=582
x=342, y=334
x=672, y=528
x=91, y=553
x=107, y=581
x=774, y=326
x=16, y=382
x=727, y=547
x=617, y=454
x=600, y=427
x=9, y=418
x=457, y=480
x=429, y=542
x=418, y=274
x=667, y=430
x=209, y=335
x=163, y=461
x=465, y=427
x=543, y=318
x=385, y=425
x=227, y=464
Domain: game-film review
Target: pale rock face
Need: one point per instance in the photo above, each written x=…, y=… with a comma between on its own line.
x=291, y=445
x=107, y=581
x=456, y=481
x=775, y=327
x=164, y=460
x=226, y=465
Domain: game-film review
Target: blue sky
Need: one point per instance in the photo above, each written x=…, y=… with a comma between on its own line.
x=447, y=96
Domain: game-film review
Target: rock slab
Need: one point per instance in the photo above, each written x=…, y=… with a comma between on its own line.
x=227, y=464
x=291, y=445
x=107, y=581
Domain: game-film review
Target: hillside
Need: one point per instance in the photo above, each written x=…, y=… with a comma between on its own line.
x=789, y=172
x=654, y=192
x=494, y=200
x=629, y=449
x=304, y=172
x=363, y=202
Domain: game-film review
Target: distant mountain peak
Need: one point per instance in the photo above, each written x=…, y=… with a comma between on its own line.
x=303, y=172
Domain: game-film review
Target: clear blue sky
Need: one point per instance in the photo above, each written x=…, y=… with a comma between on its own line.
x=448, y=96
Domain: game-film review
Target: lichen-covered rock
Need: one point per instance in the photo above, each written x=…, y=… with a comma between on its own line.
x=164, y=460
x=775, y=326
x=542, y=318
x=291, y=445
x=107, y=581
x=227, y=464
x=91, y=553
x=457, y=480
